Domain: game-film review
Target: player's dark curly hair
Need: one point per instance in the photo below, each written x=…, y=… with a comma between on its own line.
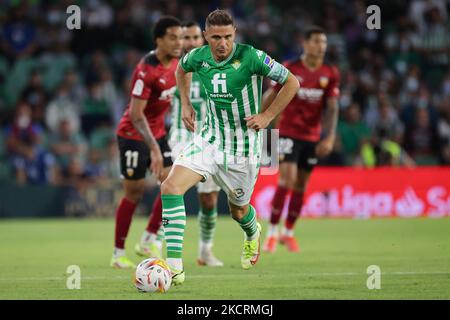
x=310, y=30
x=161, y=26
x=219, y=18
x=190, y=23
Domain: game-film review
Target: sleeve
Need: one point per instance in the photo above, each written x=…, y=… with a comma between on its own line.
x=188, y=61
x=141, y=83
x=264, y=65
x=275, y=85
x=333, y=86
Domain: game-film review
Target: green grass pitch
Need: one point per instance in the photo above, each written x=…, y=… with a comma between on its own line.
x=413, y=255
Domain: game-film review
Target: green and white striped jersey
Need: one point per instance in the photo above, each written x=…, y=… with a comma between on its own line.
x=178, y=131
x=233, y=91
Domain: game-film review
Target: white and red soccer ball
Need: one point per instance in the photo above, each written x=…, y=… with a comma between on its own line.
x=153, y=275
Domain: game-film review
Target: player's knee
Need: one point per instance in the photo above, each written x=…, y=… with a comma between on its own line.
x=134, y=193
x=169, y=187
x=208, y=202
x=237, y=212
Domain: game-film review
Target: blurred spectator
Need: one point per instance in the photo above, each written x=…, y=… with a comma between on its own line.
x=95, y=109
x=18, y=34
x=111, y=160
x=76, y=92
x=421, y=140
x=352, y=132
x=384, y=119
x=66, y=144
x=35, y=95
x=444, y=136
x=60, y=108
x=31, y=163
x=382, y=151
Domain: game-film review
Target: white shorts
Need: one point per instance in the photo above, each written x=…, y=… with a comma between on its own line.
x=235, y=175
x=208, y=185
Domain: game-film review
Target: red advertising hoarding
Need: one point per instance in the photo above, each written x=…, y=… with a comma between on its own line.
x=366, y=193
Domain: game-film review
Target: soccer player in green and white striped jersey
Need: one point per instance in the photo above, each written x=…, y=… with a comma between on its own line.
x=179, y=137
x=228, y=147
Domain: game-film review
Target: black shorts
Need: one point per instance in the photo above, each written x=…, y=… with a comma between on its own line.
x=299, y=151
x=135, y=157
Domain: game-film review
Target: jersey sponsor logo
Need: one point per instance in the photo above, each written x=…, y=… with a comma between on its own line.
x=138, y=88
x=268, y=61
x=162, y=81
x=167, y=94
x=195, y=90
x=219, y=80
x=236, y=64
x=309, y=94
x=205, y=65
x=323, y=81
x=221, y=95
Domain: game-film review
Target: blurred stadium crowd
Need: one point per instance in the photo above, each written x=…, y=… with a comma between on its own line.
x=63, y=91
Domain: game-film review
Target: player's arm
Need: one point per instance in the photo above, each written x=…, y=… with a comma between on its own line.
x=267, y=99
x=325, y=146
x=137, y=107
x=184, y=87
x=283, y=97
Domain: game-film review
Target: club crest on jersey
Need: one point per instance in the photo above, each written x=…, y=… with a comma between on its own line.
x=205, y=65
x=323, y=81
x=236, y=64
x=130, y=172
x=268, y=61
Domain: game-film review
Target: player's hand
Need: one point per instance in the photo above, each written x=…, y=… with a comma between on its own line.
x=324, y=147
x=188, y=117
x=156, y=161
x=258, y=121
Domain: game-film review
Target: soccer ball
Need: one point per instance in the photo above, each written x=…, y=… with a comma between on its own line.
x=153, y=275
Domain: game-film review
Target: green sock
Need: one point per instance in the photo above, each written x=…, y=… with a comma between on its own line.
x=174, y=222
x=207, y=220
x=248, y=224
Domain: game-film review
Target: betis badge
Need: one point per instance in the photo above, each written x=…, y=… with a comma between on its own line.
x=130, y=172
x=323, y=81
x=236, y=64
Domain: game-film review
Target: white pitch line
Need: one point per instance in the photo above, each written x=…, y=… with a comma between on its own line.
x=199, y=276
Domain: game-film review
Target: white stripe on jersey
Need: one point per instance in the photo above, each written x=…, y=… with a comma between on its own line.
x=239, y=131
x=227, y=130
x=248, y=112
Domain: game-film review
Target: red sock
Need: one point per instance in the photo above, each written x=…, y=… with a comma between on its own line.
x=278, y=204
x=294, y=209
x=155, y=220
x=124, y=215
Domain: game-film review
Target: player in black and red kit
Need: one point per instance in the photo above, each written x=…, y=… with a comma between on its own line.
x=300, y=132
x=141, y=133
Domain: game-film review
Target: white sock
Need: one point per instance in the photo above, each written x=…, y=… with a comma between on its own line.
x=273, y=230
x=159, y=244
x=205, y=246
x=175, y=263
x=288, y=232
x=118, y=252
x=147, y=237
